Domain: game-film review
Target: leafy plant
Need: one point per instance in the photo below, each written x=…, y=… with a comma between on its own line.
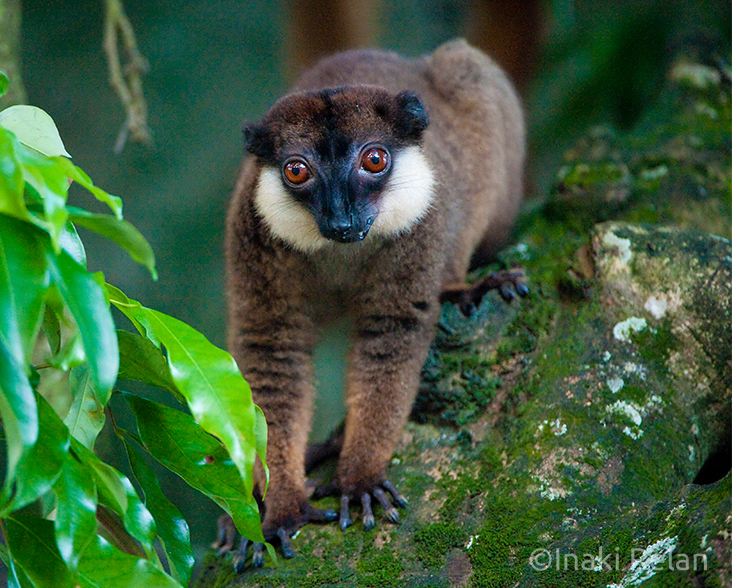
x=68, y=518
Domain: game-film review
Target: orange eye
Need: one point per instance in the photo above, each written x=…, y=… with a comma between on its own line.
x=375, y=160
x=296, y=172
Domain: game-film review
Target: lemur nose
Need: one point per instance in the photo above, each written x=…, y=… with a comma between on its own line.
x=340, y=230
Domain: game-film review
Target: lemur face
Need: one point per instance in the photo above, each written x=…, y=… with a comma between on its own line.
x=341, y=163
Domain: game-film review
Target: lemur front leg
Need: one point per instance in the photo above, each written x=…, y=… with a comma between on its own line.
x=389, y=349
x=275, y=359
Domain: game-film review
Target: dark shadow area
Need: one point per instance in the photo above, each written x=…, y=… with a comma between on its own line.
x=717, y=465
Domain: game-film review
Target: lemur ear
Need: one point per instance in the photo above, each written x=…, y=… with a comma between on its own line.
x=412, y=118
x=256, y=139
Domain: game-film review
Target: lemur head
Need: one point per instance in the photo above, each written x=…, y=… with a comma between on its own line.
x=340, y=163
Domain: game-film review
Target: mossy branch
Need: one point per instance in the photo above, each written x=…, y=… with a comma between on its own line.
x=126, y=81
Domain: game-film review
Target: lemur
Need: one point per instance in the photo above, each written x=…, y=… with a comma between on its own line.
x=369, y=190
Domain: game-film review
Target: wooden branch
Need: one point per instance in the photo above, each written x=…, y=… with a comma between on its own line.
x=10, y=18
x=126, y=81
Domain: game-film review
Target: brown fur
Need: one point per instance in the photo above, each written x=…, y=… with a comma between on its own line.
x=390, y=287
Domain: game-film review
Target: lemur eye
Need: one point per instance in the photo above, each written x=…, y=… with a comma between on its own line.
x=296, y=172
x=375, y=160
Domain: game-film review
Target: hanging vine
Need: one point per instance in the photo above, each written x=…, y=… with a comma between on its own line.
x=126, y=80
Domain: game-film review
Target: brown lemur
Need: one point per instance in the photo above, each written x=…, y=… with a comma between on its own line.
x=371, y=187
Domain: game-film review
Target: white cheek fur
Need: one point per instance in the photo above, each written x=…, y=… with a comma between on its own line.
x=408, y=194
x=406, y=199
x=286, y=218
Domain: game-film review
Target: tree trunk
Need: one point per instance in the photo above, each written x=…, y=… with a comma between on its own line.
x=580, y=436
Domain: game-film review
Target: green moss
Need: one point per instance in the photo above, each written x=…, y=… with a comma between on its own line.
x=457, y=494
x=456, y=388
x=584, y=175
x=216, y=571
x=502, y=547
x=714, y=312
x=587, y=192
x=378, y=568
x=695, y=522
x=325, y=573
x=674, y=167
x=655, y=345
x=434, y=541
x=533, y=321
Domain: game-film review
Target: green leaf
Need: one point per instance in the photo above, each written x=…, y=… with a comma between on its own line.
x=141, y=361
x=85, y=418
x=52, y=330
x=71, y=243
x=172, y=528
x=34, y=551
x=35, y=128
x=110, y=487
x=79, y=176
x=119, y=231
x=18, y=411
x=41, y=464
x=260, y=435
x=11, y=179
x=32, y=546
x=48, y=178
x=115, y=491
x=23, y=285
x=76, y=509
x=86, y=302
x=181, y=445
x=17, y=578
x=103, y=566
x=209, y=379
x=71, y=353
x=4, y=83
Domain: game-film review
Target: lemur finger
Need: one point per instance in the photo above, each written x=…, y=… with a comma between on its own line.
x=241, y=556
x=399, y=499
x=318, y=515
x=368, y=515
x=258, y=555
x=345, y=518
x=226, y=532
x=467, y=309
x=287, y=550
x=516, y=277
x=506, y=291
x=389, y=511
x=325, y=516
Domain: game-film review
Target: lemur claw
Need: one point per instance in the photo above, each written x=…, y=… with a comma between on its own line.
x=369, y=521
x=287, y=550
x=258, y=555
x=368, y=516
x=345, y=517
x=227, y=532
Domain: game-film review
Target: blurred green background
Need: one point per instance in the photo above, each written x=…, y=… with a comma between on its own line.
x=215, y=64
